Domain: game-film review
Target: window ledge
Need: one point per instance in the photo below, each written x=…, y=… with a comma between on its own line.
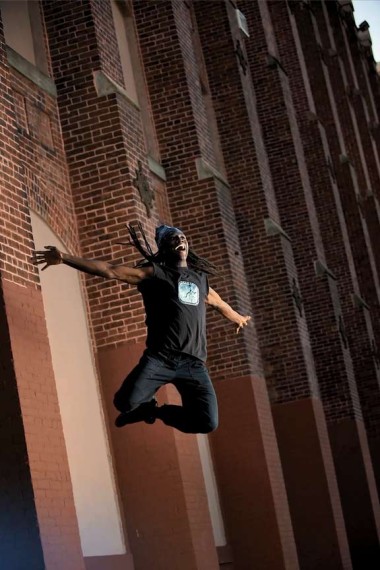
x=205, y=170
x=359, y=302
x=30, y=71
x=104, y=85
x=272, y=228
x=156, y=168
x=321, y=270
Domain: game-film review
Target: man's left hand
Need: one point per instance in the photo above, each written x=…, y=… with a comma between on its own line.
x=242, y=322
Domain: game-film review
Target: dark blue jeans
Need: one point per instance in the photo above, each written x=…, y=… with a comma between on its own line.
x=199, y=410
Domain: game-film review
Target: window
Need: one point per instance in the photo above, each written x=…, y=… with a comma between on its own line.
x=23, y=30
x=206, y=94
x=133, y=72
x=124, y=51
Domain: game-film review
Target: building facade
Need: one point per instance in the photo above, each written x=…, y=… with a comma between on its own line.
x=253, y=126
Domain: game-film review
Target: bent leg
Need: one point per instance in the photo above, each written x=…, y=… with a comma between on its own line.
x=140, y=386
x=199, y=410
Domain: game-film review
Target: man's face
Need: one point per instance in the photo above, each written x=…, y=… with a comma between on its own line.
x=175, y=246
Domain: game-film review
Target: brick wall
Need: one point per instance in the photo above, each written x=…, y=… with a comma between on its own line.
x=104, y=142
x=282, y=109
x=366, y=268
x=334, y=366
x=282, y=328
x=361, y=324
x=195, y=204
x=357, y=74
x=205, y=210
x=102, y=165
x=332, y=357
x=339, y=253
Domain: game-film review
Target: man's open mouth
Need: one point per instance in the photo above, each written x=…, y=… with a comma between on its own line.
x=180, y=247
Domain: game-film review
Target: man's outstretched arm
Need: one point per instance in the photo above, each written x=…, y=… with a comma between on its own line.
x=52, y=256
x=216, y=302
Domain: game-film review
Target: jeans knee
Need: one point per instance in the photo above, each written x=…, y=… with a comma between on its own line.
x=117, y=402
x=126, y=403
x=208, y=426
x=123, y=404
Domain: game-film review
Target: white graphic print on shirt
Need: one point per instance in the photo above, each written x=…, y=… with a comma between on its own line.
x=188, y=293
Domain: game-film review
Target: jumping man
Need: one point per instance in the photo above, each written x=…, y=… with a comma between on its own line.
x=174, y=286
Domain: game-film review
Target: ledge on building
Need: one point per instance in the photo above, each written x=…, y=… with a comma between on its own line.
x=321, y=270
x=312, y=117
x=273, y=62
x=156, y=168
x=104, y=85
x=272, y=228
x=344, y=159
x=31, y=72
x=205, y=170
x=359, y=302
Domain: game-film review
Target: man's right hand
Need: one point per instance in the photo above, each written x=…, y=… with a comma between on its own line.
x=50, y=256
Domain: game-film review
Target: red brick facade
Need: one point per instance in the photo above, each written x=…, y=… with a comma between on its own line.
x=265, y=150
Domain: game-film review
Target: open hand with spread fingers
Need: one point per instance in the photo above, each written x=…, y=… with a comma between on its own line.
x=50, y=256
x=243, y=322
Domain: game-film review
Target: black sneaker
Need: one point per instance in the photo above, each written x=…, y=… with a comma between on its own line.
x=144, y=413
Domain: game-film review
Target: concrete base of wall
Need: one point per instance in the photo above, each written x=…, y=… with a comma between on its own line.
x=374, y=447
x=251, y=485
x=358, y=491
x=114, y=562
x=311, y=485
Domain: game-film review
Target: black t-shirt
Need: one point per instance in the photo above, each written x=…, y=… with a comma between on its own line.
x=174, y=300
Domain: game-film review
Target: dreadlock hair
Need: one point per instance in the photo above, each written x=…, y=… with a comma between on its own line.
x=194, y=261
